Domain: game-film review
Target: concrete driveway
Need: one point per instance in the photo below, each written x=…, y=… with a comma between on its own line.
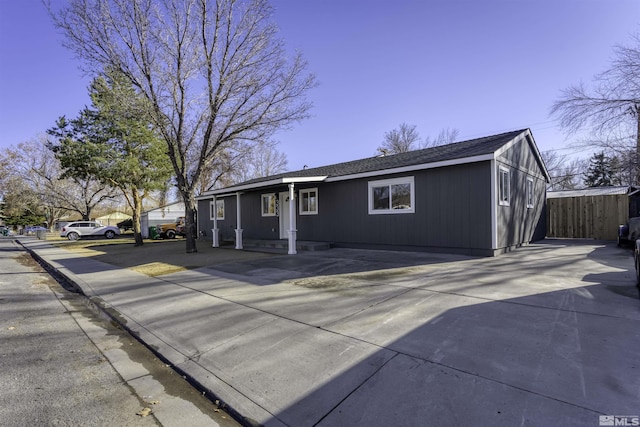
x=546, y=335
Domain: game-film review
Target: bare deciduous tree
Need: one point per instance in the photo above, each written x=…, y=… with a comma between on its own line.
x=610, y=109
x=215, y=73
x=217, y=172
x=405, y=138
x=566, y=173
x=36, y=174
x=238, y=165
x=446, y=136
x=263, y=160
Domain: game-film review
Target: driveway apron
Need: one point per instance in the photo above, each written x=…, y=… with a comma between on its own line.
x=546, y=335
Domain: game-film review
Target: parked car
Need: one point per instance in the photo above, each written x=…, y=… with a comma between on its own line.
x=636, y=262
x=629, y=232
x=78, y=229
x=33, y=229
x=125, y=225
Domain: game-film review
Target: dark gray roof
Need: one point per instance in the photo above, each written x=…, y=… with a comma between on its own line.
x=458, y=150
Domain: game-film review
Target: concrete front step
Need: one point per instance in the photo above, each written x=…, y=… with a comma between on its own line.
x=284, y=244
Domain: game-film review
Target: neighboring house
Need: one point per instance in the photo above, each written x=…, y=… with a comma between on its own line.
x=590, y=213
x=481, y=197
x=159, y=216
x=113, y=218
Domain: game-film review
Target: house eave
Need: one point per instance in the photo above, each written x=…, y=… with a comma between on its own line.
x=369, y=174
x=262, y=184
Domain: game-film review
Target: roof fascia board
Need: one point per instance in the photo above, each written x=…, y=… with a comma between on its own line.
x=412, y=168
x=237, y=188
x=262, y=184
x=297, y=180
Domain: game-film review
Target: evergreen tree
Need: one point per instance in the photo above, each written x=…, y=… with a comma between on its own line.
x=115, y=143
x=602, y=171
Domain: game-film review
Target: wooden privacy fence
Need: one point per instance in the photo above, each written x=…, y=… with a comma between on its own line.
x=589, y=217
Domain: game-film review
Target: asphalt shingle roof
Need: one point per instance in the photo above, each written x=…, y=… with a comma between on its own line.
x=458, y=150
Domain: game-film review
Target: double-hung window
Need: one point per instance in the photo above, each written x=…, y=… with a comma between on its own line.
x=269, y=204
x=217, y=210
x=529, y=193
x=504, y=187
x=309, y=201
x=392, y=196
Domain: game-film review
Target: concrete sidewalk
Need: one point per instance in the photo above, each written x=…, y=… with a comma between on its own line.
x=546, y=335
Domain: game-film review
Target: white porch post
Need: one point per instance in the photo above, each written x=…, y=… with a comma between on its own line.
x=239, y=225
x=494, y=204
x=292, y=221
x=214, y=231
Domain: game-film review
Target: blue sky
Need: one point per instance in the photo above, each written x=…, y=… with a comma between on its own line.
x=481, y=67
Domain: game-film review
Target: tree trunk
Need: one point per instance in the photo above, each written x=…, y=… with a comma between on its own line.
x=137, y=210
x=191, y=233
x=637, y=159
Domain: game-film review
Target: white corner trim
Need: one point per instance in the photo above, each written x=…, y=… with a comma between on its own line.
x=494, y=205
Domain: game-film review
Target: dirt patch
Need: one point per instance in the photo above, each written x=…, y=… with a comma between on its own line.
x=382, y=275
x=342, y=285
x=157, y=268
x=155, y=257
x=326, y=282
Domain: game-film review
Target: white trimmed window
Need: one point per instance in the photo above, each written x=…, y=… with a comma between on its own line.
x=392, y=196
x=529, y=193
x=269, y=204
x=217, y=210
x=504, y=190
x=309, y=201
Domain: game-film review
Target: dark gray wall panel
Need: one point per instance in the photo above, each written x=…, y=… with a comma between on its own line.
x=255, y=225
x=452, y=209
x=226, y=226
x=518, y=224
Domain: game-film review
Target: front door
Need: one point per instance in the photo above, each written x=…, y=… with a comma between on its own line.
x=283, y=211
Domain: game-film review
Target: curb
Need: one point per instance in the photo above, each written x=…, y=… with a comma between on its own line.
x=95, y=304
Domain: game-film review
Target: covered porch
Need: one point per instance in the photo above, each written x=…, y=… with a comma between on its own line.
x=275, y=203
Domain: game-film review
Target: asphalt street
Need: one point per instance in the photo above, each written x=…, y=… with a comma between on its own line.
x=64, y=365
